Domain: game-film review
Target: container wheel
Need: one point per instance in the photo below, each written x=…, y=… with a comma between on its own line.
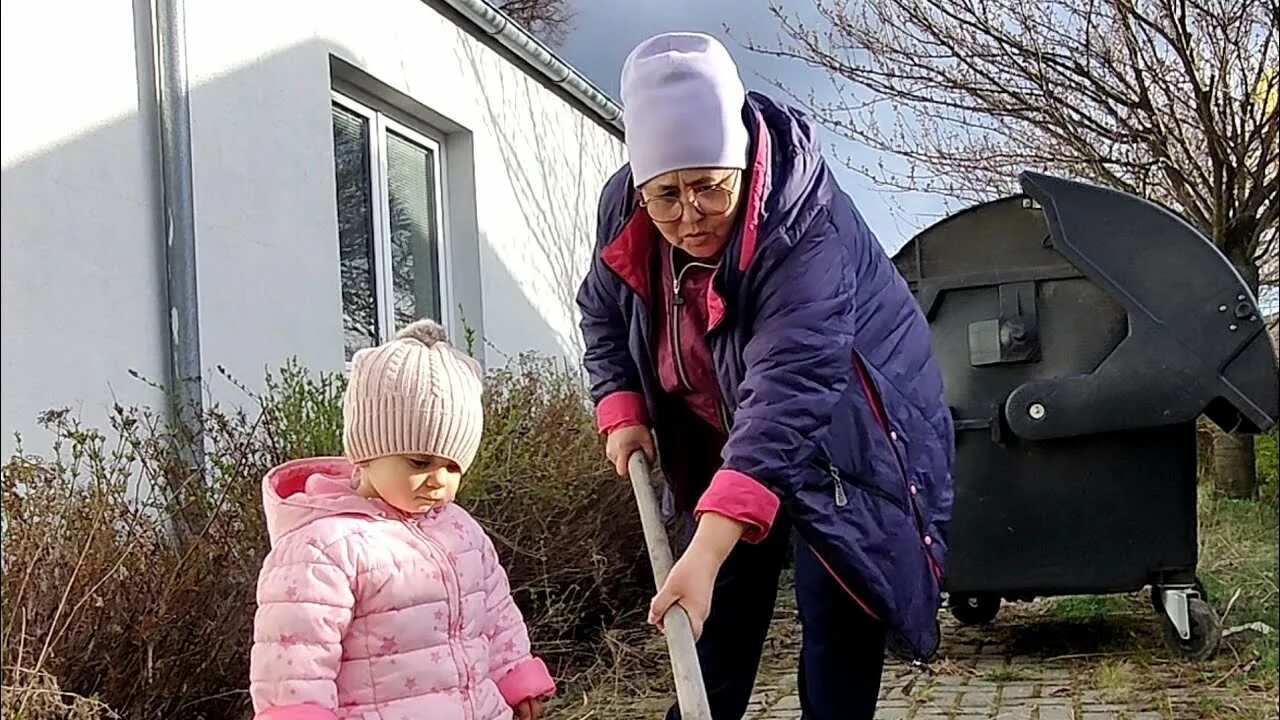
x=1206, y=632
x=1157, y=599
x=974, y=609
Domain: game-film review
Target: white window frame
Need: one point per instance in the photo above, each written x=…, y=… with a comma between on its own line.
x=384, y=285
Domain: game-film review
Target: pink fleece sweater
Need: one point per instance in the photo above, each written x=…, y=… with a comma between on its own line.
x=365, y=612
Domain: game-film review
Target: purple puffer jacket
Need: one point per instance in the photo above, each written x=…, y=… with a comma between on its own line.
x=825, y=366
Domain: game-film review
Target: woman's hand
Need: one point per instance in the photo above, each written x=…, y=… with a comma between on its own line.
x=690, y=584
x=692, y=579
x=624, y=442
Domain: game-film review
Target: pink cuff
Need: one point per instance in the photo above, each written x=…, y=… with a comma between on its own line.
x=304, y=711
x=529, y=679
x=621, y=409
x=740, y=497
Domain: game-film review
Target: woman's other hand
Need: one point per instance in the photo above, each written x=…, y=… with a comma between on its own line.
x=692, y=579
x=624, y=442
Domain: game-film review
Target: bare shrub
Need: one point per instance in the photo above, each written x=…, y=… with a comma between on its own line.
x=106, y=599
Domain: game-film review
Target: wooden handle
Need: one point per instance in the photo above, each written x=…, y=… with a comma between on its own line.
x=691, y=694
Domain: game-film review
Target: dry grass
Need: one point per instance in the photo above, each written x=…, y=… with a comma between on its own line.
x=631, y=681
x=1240, y=564
x=37, y=695
x=1115, y=678
x=107, y=605
x=1007, y=673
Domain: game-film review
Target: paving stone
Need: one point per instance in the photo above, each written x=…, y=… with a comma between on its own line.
x=980, y=699
x=1056, y=691
x=941, y=698
x=790, y=702
x=1015, y=711
x=1019, y=692
x=1021, y=704
x=1042, y=690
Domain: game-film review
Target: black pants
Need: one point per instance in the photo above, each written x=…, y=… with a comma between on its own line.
x=842, y=654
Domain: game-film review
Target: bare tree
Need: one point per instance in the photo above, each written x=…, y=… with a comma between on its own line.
x=548, y=20
x=1173, y=100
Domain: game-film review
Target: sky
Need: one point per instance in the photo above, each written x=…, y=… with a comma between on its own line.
x=606, y=30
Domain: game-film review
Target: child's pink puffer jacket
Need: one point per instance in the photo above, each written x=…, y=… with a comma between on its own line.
x=365, y=612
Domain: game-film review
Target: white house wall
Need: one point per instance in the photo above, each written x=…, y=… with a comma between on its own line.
x=83, y=280
x=523, y=166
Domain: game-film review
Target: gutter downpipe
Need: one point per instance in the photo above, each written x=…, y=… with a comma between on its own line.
x=186, y=382
x=514, y=38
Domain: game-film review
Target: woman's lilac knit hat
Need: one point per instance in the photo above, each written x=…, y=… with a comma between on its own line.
x=682, y=102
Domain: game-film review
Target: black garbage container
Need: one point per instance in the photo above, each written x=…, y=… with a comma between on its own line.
x=1081, y=333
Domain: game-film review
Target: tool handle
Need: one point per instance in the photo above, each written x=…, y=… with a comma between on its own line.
x=690, y=691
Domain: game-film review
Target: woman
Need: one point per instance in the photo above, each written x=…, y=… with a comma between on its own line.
x=738, y=307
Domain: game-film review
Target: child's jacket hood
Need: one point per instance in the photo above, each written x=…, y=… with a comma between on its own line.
x=303, y=491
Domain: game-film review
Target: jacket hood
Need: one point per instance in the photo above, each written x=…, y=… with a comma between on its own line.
x=303, y=491
x=798, y=178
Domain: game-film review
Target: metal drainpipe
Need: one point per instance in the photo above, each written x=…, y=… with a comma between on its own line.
x=178, y=202
x=531, y=50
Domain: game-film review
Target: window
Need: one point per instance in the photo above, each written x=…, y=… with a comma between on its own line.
x=389, y=239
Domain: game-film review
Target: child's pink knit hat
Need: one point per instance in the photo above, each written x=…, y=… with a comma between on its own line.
x=415, y=395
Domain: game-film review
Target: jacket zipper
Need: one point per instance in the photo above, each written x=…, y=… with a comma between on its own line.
x=724, y=415
x=841, y=498
x=838, y=481
x=673, y=317
x=455, y=619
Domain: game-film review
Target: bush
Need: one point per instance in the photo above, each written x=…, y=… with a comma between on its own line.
x=106, y=602
x=564, y=524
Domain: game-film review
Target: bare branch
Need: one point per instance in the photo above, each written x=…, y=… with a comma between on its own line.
x=548, y=20
x=1161, y=98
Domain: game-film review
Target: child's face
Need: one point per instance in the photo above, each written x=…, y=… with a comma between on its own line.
x=411, y=483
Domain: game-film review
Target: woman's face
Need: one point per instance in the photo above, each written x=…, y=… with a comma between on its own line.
x=694, y=209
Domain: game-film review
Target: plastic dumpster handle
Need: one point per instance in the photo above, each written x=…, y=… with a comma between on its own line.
x=1196, y=336
x=691, y=694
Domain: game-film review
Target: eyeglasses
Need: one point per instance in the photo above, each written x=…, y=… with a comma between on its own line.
x=714, y=200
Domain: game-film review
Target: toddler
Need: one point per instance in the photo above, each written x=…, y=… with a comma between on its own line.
x=381, y=598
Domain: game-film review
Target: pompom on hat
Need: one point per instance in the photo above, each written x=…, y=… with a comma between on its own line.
x=682, y=102
x=414, y=395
